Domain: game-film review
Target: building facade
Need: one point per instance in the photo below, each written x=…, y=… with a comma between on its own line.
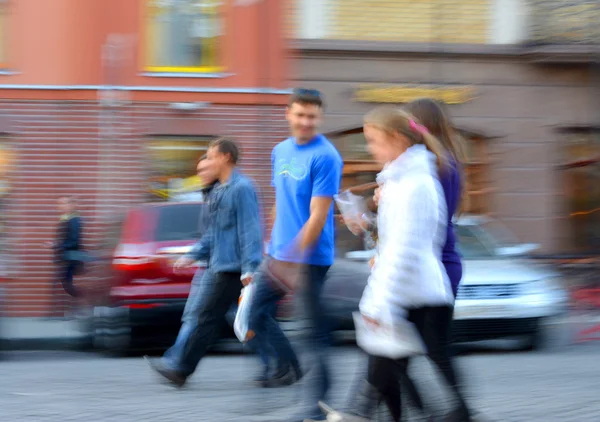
x=519, y=81
x=112, y=102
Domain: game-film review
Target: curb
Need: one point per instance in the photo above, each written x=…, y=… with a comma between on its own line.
x=75, y=343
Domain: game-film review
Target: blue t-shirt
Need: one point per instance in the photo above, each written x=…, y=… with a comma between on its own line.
x=301, y=172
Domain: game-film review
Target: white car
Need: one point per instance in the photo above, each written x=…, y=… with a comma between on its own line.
x=501, y=294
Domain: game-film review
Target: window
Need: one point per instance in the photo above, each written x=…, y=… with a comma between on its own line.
x=173, y=163
x=581, y=173
x=183, y=35
x=470, y=245
x=180, y=222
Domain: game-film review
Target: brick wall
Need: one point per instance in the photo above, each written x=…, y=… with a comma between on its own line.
x=63, y=148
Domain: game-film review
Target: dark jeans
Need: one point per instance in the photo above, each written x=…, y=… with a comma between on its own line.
x=66, y=273
x=268, y=333
x=434, y=324
x=218, y=295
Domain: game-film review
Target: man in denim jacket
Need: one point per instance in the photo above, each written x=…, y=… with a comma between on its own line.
x=233, y=246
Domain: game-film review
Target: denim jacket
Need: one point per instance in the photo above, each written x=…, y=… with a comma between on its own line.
x=233, y=240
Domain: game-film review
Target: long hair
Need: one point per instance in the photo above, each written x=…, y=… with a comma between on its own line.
x=432, y=115
x=394, y=120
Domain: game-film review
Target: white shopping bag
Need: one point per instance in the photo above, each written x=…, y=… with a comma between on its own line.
x=242, y=316
x=395, y=341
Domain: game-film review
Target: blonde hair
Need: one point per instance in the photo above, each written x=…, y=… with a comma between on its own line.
x=395, y=121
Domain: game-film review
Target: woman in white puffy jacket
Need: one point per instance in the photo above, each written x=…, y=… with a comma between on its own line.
x=408, y=280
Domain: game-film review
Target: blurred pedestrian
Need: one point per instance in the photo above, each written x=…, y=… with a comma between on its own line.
x=233, y=247
x=68, y=246
x=431, y=114
x=408, y=280
x=192, y=305
x=307, y=172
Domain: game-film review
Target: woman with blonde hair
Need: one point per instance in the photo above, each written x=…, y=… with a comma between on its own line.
x=408, y=280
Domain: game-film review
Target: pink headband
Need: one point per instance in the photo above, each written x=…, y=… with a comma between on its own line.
x=417, y=127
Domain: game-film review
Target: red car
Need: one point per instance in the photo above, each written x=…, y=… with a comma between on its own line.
x=146, y=297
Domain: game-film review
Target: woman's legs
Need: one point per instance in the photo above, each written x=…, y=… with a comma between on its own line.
x=437, y=337
x=384, y=375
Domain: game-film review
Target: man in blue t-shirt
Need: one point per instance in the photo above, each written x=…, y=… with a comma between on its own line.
x=307, y=171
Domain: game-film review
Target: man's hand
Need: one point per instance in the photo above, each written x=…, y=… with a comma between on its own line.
x=372, y=262
x=182, y=263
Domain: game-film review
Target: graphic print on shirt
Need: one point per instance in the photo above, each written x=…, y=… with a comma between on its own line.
x=291, y=168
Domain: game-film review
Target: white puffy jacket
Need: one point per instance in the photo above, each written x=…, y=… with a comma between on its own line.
x=408, y=271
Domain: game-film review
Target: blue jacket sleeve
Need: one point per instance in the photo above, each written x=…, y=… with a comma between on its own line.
x=201, y=250
x=73, y=236
x=249, y=227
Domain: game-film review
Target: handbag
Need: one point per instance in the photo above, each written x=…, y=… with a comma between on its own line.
x=395, y=340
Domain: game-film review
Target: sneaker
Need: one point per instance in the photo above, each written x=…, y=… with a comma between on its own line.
x=173, y=377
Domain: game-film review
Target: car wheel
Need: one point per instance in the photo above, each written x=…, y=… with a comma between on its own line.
x=111, y=331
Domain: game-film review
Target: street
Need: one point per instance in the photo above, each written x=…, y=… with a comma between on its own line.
x=505, y=386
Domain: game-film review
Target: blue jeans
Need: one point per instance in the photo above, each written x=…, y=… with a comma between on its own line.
x=200, y=299
x=200, y=284
x=268, y=333
x=264, y=351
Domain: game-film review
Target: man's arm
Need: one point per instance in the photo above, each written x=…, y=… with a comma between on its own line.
x=201, y=250
x=327, y=174
x=249, y=228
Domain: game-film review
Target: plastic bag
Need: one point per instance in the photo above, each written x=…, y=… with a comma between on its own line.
x=390, y=341
x=353, y=208
x=242, y=316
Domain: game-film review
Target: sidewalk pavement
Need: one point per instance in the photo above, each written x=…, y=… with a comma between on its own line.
x=19, y=333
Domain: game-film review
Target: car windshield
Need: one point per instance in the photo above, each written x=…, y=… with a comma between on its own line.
x=178, y=222
x=469, y=244
x=483, y=239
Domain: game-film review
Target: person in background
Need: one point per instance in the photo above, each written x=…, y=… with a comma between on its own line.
x=68, y=246
x=307, y=172
x=234, y=249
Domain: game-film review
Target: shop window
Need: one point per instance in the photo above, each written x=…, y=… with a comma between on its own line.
x=183, y=35
x=581, y=175
x=173, y=163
